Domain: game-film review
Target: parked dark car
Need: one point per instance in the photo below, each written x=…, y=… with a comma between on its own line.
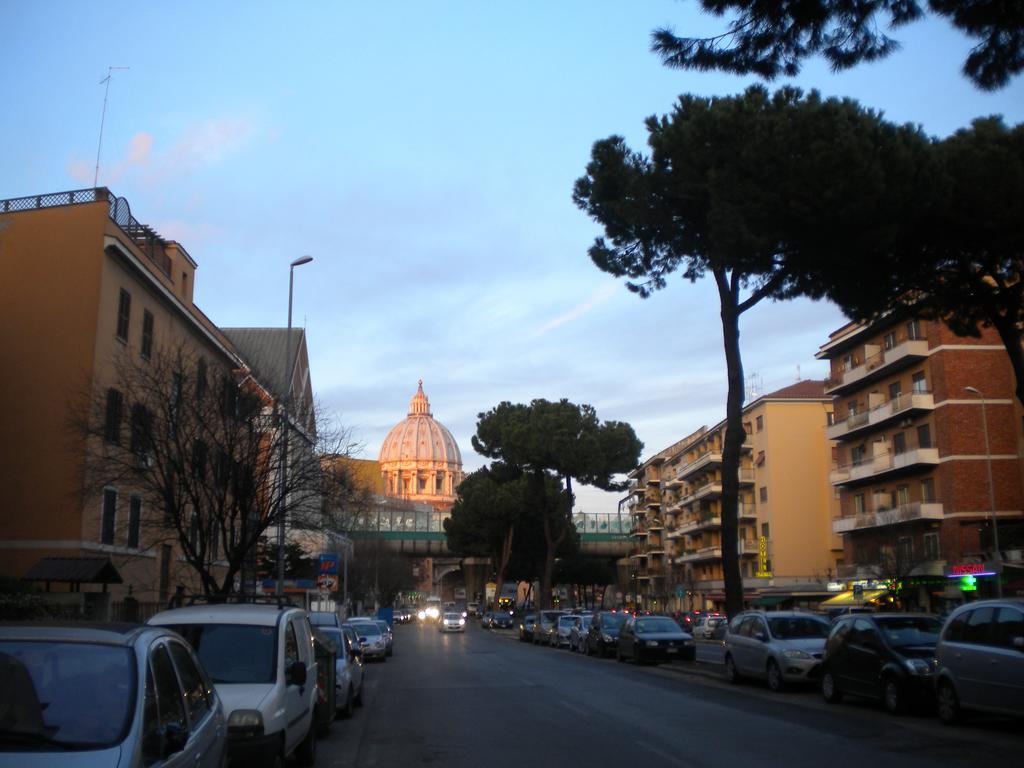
x=547, y=623
x=501, y=620
x=603, y=633
x=650, y=639
x=887, y=656
x=527, y=627
x=980, y=657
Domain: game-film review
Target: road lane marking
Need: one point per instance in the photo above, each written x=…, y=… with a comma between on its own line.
x=665, y=755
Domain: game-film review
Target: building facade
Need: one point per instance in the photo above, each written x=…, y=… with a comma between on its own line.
x=90, y=293
x=922, y=417
x=787, y=549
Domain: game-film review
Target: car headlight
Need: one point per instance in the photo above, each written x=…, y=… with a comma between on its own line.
x=796, y=653
x=421, y=615
x=461, y=622
x=917, y=666
x=248, y=721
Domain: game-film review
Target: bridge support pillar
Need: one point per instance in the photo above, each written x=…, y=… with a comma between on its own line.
x=476, y=571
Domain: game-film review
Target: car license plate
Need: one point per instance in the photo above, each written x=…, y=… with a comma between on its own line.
x=671, y=650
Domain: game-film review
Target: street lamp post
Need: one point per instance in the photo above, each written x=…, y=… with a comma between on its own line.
x=279, y=589
x=991, y=493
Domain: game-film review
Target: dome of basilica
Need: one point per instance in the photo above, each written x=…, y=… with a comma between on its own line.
x=419, y=458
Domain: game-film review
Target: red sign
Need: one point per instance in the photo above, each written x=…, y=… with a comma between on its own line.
x=967, y=569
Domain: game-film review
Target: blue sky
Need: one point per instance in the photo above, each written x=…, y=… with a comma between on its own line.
x=424, y=154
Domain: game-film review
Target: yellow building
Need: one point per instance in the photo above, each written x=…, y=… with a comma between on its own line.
x=787, y=549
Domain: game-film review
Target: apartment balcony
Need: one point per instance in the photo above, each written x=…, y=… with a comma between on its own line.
x=904, y=513
x=709, y=460
x=652, y=500
x=747, y=547
x=700, y=555
x=878, y=363
x=702, y=522
x=884, y=465
x=747, y=512
x=907, y=405
x=655, y=525
x=872, y=572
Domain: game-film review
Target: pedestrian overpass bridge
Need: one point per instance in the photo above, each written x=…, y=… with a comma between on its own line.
x=420, y=533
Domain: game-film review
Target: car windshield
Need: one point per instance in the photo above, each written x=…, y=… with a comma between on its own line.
x=369, y=631
x=234, y=653
x=322, y=618
x=334, y=634
x=383, y=626
x=567, y=621
x=908, y=631
x=612, y=620
x=452, y=616
x=65, y=694
x=656, y=624
x=796, y=627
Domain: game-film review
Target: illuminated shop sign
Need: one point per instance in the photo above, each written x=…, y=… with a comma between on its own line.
x=969, y=569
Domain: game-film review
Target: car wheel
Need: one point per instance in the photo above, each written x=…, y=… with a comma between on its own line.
x=305, y=753
x=948, y=703
x=775, y=681
x=730, y=670
x=829, y=689
x=892, y=695
x=349, y=709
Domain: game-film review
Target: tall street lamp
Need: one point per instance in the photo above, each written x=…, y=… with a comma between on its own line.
x=287, y=395
x=991, y=493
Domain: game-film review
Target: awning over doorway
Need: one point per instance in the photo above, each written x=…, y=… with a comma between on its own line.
x=849, y=598
x=771, y=599
x=74, y=571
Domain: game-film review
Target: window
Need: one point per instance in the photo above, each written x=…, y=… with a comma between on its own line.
x=979, y=627
x=291, y=646
x=759, y=423
x=858, y=504
x=919, y=383
x=1009, y=625
x=764, y=530
x=134, y=518
x=890, y=340
x=894, y=390
x=191, y=682
x=115, y=408
x=168, y=695
x=857, y=455
x=763, y=493
x=760, y=458
x=147, y=334
x=851, y=408
x=107, y=520
x=899, y=443
x=141, y=434
x=924, y=436
x=931, y=546
x=904, y=550
x=928, y=490
x=201, y=384
x=830, y=418
x=124, y=311
x=902, y=495
x=914, y=330
x=849, y=361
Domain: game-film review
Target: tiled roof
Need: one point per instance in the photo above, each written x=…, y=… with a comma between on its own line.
x=264, y=350
x=799, y=391
x=75, y=570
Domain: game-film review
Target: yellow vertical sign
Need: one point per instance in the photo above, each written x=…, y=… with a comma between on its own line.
x=762, y=558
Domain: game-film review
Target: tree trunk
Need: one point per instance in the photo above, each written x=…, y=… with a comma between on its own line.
x=506, y=554
x=1010, y=337
x=734, y=437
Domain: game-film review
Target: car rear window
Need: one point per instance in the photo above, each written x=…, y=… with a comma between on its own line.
x=798, y=627
x=909, y=631
x=234, y=653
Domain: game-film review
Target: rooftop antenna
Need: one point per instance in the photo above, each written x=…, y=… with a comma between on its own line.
x=103, y=117
x=798, y=376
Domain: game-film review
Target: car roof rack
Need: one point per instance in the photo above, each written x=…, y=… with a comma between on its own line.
x=281, y=601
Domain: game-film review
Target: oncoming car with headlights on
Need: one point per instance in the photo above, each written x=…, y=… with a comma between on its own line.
x=452, y=621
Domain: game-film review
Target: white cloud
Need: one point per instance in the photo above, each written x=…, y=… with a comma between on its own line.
x=597, y=298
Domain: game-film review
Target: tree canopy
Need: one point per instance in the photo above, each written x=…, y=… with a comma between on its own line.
x=774, y=196
x=773, y=37
x=567, y=441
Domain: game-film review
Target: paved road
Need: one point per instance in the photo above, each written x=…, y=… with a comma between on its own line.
x=483, y=699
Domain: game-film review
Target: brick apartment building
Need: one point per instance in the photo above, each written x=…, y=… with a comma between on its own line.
x=911, y=463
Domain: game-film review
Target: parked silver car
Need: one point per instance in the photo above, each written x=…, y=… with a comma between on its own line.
x=87, y=694
x=980, y=658
x=348, y=671
x=778, y=646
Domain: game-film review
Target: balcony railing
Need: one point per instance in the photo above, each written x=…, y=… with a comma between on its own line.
x=904, y=513
x=747, y=547
x=891, y=409
x=878, y=364
x=885, y=463
x=698, y=555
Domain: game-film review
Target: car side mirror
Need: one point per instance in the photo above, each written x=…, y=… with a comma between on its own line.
x=362, y=641
x=297, y=673
x=175, y=739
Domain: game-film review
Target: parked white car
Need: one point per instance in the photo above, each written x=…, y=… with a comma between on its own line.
x=348, y=671
x=260, y=659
